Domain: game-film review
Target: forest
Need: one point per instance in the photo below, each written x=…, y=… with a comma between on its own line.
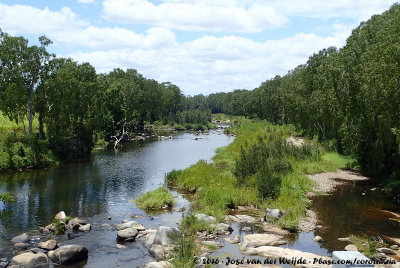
x=347, y=98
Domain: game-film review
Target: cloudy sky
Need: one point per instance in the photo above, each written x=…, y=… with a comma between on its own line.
x=203, y=46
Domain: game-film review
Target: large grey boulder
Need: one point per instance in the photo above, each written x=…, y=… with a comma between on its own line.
x=157, y=251
x=150, y=238
x=48, y=245
x=258, y=240
x=164, y=235
x=69, y=254
x=205, y=218
x=273, y=213
x=23, y=238
x=30, y=260
x=130, y=224
x=128, y=234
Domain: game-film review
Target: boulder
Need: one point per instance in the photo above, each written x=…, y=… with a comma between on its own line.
x=23, y=238
x=246, y=218
x=48, y=245
x=287, y=253
x=351, y=247
x=130, y=224
x=37, y=250
x=234, y=240
x=60, y=216
x=150, y=238
x=157, y=251
x=318, y=239
x=20, y=246
x=69, y=254
x=273, y=213
x=205, y=218
x=258, y=240
x=75, y=223
x=128, y=234
x=163, y=235
x=30, y=260
x=85, y=228
x=223, y=228
x=161, y=264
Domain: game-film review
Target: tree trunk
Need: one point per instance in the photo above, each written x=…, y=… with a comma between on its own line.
x=30, y=115
x=41, y=132
x=23, y=123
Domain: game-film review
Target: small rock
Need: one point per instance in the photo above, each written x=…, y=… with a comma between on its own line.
x=234, y=240
x=246, y=229
x=205, y=218
x=128, y=234
x=157, y=251
x=373, y=189
x=223, y=228
x=212, y=243
x=351, y=247
x=109, y=218
x=85, y=228
x=319, y=226
x=60, y=216
x=48, y=245
x=344, y=239
x=20, y=246
x=49, y=227
x=395, y=247
x=29, y=259
x=363, y=194
x=385, y=250
x=318, y=239
x=119, y=246
x=23, y=238
x=230, y=218
x=180, y=209
x=246, y=218
x=273, y=213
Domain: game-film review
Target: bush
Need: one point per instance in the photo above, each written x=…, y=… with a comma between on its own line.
x=6, y=198
x=156, y=199
x=4, y=160
x=268, y=183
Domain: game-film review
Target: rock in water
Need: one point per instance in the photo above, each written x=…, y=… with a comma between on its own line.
x=161, y=264
x=273, y=213
x=69, y=254
x=20, y=246
x=85, y=228
x=163, y=235
x=223, y=228
x=130, y=224
x=23, y=238
x=257, y=240
x=157, y=251
x=234, y=240
x=30, y=260
x=60, y=216
x=128, y=234
x=48, y=245
x=318, y=239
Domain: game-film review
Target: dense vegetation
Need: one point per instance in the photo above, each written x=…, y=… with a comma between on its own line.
x=348, y=97
x=61, y=108
x=155, y=200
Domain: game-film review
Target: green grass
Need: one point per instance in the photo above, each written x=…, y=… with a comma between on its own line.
x=217, y=190
x=6, y=125
x=156, y=199
x=367, y=245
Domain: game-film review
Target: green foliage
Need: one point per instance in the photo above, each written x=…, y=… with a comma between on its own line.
x=268, y=183
x=6, y=198
x=367, y=245
x=58, y=226
x=67, y=219
x=156, y=199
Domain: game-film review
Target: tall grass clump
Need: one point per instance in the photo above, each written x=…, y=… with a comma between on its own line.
x=156, y=199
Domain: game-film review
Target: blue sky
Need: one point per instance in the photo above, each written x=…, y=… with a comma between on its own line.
x=203, y=46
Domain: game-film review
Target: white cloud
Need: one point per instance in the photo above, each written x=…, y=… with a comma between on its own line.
x=195, y=15
x=24, y=19
x=86, y=1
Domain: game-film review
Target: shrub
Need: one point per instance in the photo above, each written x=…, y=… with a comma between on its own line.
x=6, y=198
x=268, y=183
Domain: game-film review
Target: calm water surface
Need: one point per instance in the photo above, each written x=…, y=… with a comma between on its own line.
x=99, y=187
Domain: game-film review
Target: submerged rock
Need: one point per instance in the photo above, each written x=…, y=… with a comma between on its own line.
x=69, y=254
x=30, y=260
x=23, y=238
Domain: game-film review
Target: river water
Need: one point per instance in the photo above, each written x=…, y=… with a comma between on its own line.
x=102, y=186
x=106, y=184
